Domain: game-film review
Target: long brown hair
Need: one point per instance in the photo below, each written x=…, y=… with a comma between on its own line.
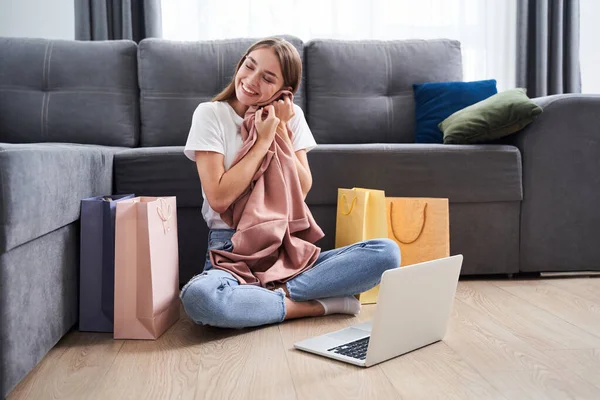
x=289, y=59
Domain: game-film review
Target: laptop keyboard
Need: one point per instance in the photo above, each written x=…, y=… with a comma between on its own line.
x=356, y=349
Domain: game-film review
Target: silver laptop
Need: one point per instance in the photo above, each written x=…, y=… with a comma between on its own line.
x=413, y=310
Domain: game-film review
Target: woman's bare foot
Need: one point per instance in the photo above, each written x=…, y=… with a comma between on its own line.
x=299, y=309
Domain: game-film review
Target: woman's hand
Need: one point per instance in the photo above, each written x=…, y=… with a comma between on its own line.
x=284, y=109
x=266, y=128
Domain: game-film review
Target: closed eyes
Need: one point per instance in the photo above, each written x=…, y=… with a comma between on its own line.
x=265, y=78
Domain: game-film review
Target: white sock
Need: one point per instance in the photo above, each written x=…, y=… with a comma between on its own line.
x=340, y=305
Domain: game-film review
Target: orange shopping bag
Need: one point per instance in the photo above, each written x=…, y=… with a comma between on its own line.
x=420, y=226
x=146, y=267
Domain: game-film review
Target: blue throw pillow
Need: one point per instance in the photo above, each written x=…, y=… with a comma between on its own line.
x=436, y=101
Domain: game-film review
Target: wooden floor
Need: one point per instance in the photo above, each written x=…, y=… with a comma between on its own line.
x=507, y=339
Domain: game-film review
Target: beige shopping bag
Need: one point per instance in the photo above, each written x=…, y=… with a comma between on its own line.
x=146, y=267
x=420, y=226
x=361, y=215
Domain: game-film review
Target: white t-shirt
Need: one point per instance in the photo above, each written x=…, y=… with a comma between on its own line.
x=217, y=127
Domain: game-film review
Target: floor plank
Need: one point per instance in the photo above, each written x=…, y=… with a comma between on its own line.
x=86, y=358
x=588, y=288
x=487, y=345
x=165, y=368
x=437, y=372
x=565, y=304
x=542, y=384
x=585, y=363
x=534, y=326
x=249, y=364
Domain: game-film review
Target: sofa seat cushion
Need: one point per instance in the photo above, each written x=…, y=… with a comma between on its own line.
x=462, y=173
x=41, y=186
x=158, y=171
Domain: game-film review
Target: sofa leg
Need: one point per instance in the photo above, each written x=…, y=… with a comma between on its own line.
x=510, y=276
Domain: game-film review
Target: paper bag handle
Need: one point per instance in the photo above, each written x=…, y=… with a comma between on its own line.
x=164, y=212
x=420, y=231
x=345, y=202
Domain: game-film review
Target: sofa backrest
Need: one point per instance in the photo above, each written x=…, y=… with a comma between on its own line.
x=174, y=77
x=68, y=91
x=361, y=91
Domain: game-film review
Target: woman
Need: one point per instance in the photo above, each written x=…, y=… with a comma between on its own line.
x=215, y=297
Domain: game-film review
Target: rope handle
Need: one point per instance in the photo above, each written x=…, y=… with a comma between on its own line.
x=345, y=202
x=420, y=231
x=164, y=212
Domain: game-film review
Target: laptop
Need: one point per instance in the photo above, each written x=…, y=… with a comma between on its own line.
x=413, y=310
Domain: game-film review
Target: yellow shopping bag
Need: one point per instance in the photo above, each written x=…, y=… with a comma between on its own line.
x=361, y=215
x=420, y=226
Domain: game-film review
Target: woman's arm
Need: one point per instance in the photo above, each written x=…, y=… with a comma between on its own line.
x=223, y=188
x=301, y=162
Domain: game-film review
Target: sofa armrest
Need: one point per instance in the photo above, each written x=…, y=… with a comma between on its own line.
x=41, y=186
x=560, y=151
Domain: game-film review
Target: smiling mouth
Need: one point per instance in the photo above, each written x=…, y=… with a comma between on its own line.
x=246, y=92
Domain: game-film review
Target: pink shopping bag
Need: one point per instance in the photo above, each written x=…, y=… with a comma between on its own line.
x=146, y=267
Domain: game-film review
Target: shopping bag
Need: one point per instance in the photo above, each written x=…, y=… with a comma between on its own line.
x=420, y=227
x=146, y=267
x=97, y=262
x=361, y=215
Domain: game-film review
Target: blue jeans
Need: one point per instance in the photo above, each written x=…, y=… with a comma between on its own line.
x=216, y=298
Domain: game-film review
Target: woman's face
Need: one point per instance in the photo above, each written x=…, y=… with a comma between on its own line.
x=259, y=77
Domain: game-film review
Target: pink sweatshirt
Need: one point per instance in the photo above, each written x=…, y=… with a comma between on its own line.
x=275, y=230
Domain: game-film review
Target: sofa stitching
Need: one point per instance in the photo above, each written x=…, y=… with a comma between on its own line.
x=219, y=65
x=175, y=97
x=141, y=70
x=390, y=104
x=129, y=91
x=141, y=94
x=44, y=88
x=49, y=64
x=4, y=216
x=47, y=86
x=379, y=42
x=44, y=66
x=405, y=93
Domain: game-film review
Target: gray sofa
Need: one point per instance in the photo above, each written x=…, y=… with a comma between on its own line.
x=81, y=119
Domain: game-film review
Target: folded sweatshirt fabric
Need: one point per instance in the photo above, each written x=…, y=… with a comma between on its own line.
x=275, y=230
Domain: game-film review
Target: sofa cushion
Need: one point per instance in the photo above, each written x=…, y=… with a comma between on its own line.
x=41, y=186
x=434, y=102
x=361, y=91
x=68, y=91
x=177, y=76
x=500, y=115
x=462, y=173
x=490, y=173
x=158, y=171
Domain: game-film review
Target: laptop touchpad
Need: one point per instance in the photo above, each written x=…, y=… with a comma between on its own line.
x=347, y=335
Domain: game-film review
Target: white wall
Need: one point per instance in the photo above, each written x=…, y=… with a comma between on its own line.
x=49, y=19
x=590, y=46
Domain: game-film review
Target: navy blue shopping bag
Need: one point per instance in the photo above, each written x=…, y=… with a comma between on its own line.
x=97, y=263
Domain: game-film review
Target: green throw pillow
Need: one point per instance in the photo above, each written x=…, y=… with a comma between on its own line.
x=497, y=116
